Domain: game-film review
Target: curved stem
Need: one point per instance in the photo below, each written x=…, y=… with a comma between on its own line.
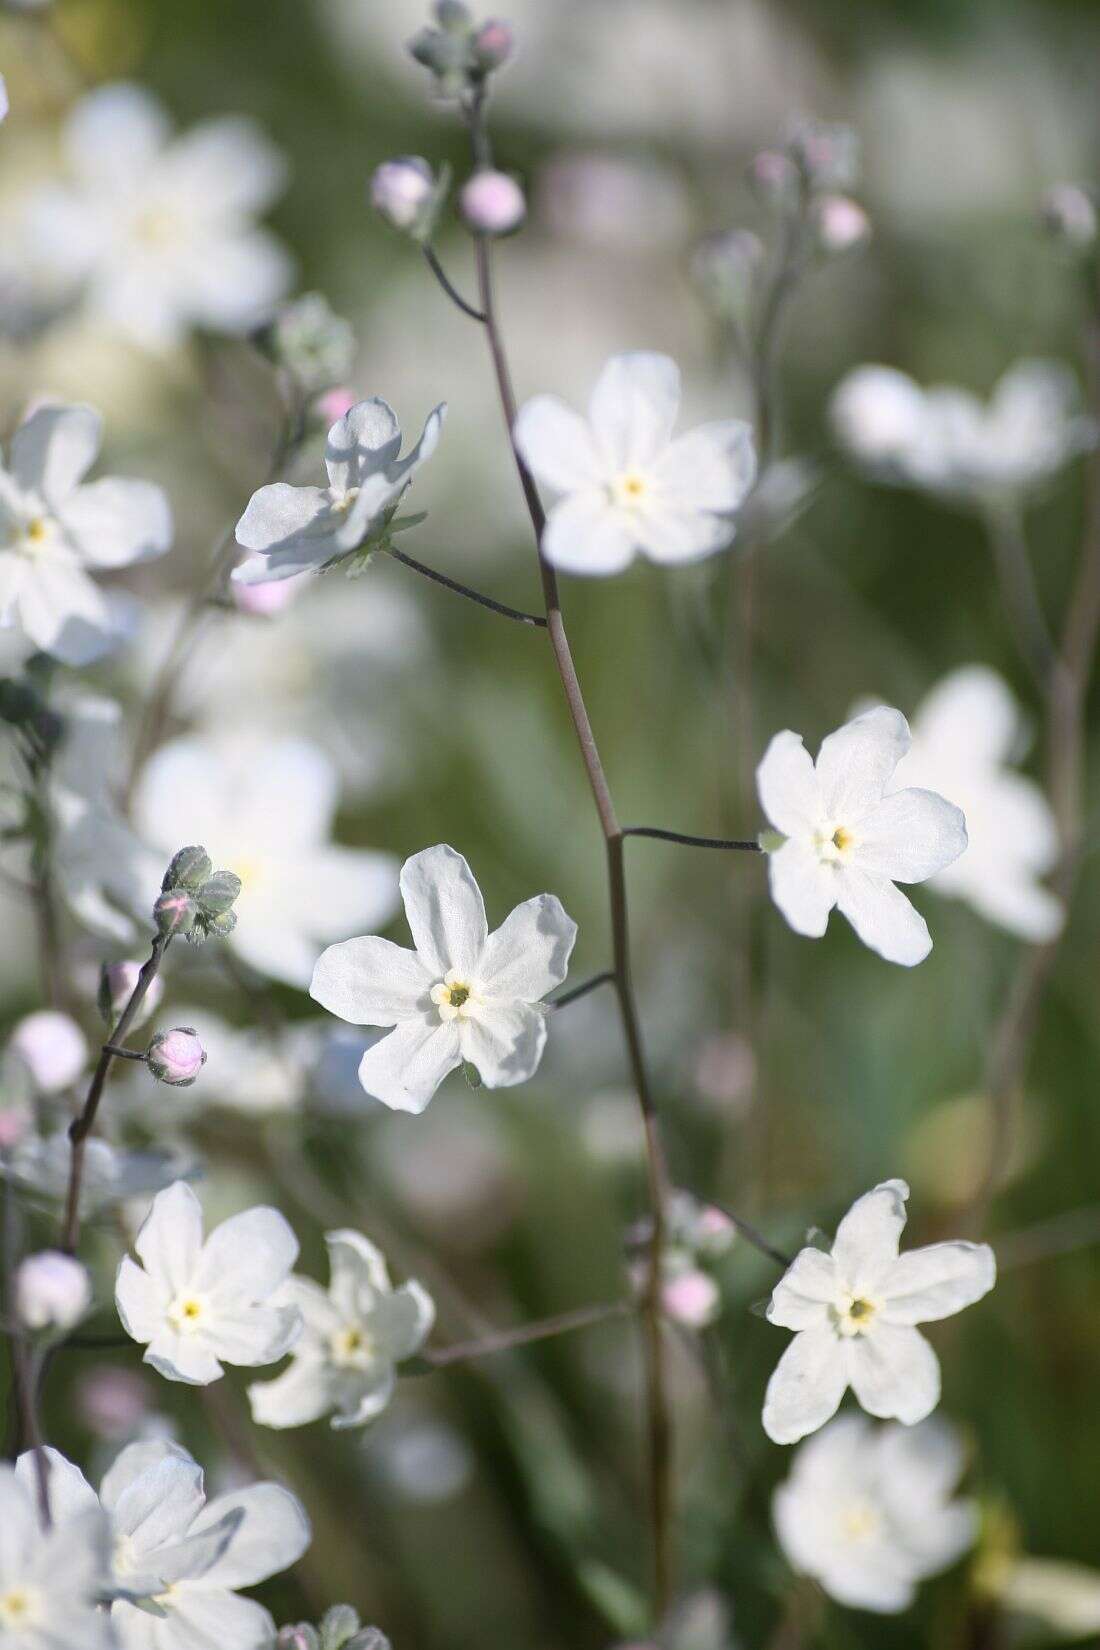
x=582, y=990
x=433, y=263
x=505, y=1340
x=464, y=590
x=723, y=842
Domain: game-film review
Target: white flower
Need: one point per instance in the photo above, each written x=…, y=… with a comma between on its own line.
x=462, y=995
x=867, y=1511
x=54, y=530
x=158, y=232
x=295, y=530
x=849, y=838
x=194, y=1303
x=1061, y=1595
x=945, y=441
x=854, y=1312
x=263, y=808
x=178, y=1559
x=354, y=1335
x=42, y=1164
x=52, y=1047
x=49, y=1579
x=628, y=484
x=965, y=734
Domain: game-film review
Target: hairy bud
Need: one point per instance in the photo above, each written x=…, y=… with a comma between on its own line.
x=827, y=155
x=175, y=912
x=407, y=193
x=176, y=1057
x=460, y=56
x=301, y=1637
x=493, y=44
x=314, y=345
x=218, y=893
x=188, y=868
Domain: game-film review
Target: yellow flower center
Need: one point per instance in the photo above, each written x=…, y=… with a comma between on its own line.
x=16, y=1608
x=833, y=846
x=629, y=489
x=184, y=1314
x=352, y=1348
x=854, y=1315
x=453, y=997
x=859, y=1521
x=156, y=226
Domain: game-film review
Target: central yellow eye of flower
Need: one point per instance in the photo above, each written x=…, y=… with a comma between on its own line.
x=452, y=997
x=629, y=488
x=157, y=226
x=15, y=1607
x=854, y=1316
x=842, y=839
x=37, y=529
x=352, y=1347
x=185, y=1313
x=859, y=1521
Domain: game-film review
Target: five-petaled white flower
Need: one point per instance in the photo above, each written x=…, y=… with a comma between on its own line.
x=55, y=529
x=354, y=1335
x=628, y=484
x=946, y=441
x=854, y=1313
x=263, y=807
x=867, y=1511
x=178, y=1558
x=965, y=734
x=194, y=1303
x=295, y=530
x=157, y=232
x=849, y=838
x=462, y=995
x=50, y=1579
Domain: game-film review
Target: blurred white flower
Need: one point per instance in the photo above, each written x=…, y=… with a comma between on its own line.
x=462, y=995
x=965, y=734
x=427, y=1462
x=628, y=485
x=194, y=1303
x=945, y=441
x=264, y=809
x=41, y=1164
x=850, y=839
x=158, y=232
x=52, y=1290
x=50, y=1579
x=52, y=1047
x=1063, y=1596
x=613, y=201
x=867, y=1511
x=178, y=1559
x=300, y=529
x=854, y=1312
x=354, y=1335
x=117, y=983
x=54, y=531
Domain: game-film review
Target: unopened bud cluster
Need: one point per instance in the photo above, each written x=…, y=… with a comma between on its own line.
x=812, y=172
x=196, y=900
x=698, y=1237
x=339, y=1630
x=460, y=53
x=315, y=346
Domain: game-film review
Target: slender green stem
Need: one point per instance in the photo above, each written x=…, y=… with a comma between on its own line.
x=578, y=991
x=448, y=286
x=723, y=842
x=453, y=585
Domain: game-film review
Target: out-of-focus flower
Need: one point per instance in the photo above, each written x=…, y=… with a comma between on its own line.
x=727, y=269
x=628, y=486
x=773, y=177
x=1064, y=1597
x=840, y=224
x=965, y=734
x=868, y=1511
x=826, y=153
x=854, y=1313
x=462, y=995
x=194, y=1303
x=55, y=530
x=613, y=202
x=176, y=1057
x=117, y=983
x=41, y=1164
x=266, y=810
x=52, y=1047
x=691, y=1298
x=52, y=1291
x=50, y=1579
x=112, y=1402
x=409, y=195
x=493, y=203
x=302, y=529
x=267, y=601
x=702, y=1621
x=849, y=838
x=427, y=1462
x=179, y=1559
x=1069, y=216
x=459, y=54
x=354, y=1336
x=947, y=442
x=158, y=232
x=314, y=345
x=340, y=1629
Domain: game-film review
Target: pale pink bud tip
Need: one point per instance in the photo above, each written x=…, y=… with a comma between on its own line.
x=493, y=203
x=52, y=1048
x=334, y=405
x=402, y=190
x=264, y=601
x=52, y=1291
x=691, y=1299
x=841, y=224
x=13, y=1126
x=494, y=43
x=176, y=1056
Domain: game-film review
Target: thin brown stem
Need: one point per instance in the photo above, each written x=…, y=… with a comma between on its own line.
x=657, y=1411
x=1020, y=595
x=576, y=992
x=506, y=1340
x=726, y=843
x=457, y=589
x=433, y=263
x=83, y=1125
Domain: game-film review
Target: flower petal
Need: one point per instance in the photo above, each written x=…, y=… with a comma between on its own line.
x=303, y=1393
x=116, y=522
x=358, y=1273
x=787, y=785
x=806, y=1386
x=281, y=517
x=404, y=1320
x=361, y=444
x=670, y=534
x=403, y=469
x=806, y=1291
x=894, y=1373
x=557, y=446
x=253, y=1252
x=634, y=407
x=710, y=468
x=114, y=135
x=273, y=1533
x=139, y=1300
x=445, y=911
x=804, y=889
x=855, y=764
x=504, y=1042
x=53, y=448
x=404, y=1069
x=182, y=1358
x=372, y=982
x=64, y=614
x=937, y=1281
x=909, y=836
x=866, y=1244
x=882, y=916
x=170, y=1240
x=366, y=1400
x=528, y=955
x=586, y=534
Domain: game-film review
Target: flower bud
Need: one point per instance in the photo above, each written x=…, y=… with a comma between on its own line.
x=187, y=869
x=1069, y=216
x=52, y=1291
x=493, y=203
x=453, y=15
x=52, y=1047
x=493, y=44
x=407, y=194
x=265, y=601
x=691, y=1298
x=839, y=224
x=338, y=1625
x=773, y=177
x=826, y=154
x=727, y=269
x=176, y=1057
x=301, y=1637
x=218, y=893
x=371, y=1638
x=332, y=406
x=175, y=912
x=316, y=346
x=116, y=986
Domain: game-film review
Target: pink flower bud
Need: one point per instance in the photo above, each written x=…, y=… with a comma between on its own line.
x=176, y=1057
x=333, y=405
x=52, y=1047
x=494, y=44
x=840, y=223
x=116, y=987
x=112, y=1402
x=493, y=203
x=52, y=1291
x=264, y=601
x=174, y=912
x=773, y=176
x=403, y=190
x=692, y=1299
